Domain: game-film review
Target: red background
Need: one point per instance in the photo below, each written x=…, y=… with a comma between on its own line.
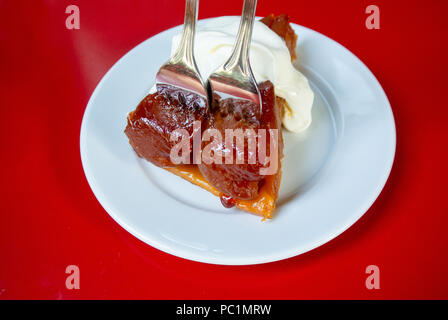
x=50, y=218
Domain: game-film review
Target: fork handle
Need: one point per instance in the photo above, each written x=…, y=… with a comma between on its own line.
x=186, y=46
x=240, y=55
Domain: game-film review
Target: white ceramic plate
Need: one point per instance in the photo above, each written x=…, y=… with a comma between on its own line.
x=332, y=173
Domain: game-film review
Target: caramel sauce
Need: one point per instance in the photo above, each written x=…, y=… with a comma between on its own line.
x=227, y=202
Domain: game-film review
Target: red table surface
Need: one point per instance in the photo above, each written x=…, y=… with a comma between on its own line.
x=50, y=218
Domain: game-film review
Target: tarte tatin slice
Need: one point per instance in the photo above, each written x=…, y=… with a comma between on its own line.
x=150, y=127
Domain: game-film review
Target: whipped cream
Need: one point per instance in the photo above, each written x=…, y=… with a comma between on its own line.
x=269, y=59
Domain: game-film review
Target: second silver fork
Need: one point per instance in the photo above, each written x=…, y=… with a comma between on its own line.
x=234, y=79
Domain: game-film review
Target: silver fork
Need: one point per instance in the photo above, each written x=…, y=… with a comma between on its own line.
x=181, y=70
x=234, y=79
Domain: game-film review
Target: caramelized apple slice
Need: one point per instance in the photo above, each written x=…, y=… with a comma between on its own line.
x=242, y=181
x=150, y=126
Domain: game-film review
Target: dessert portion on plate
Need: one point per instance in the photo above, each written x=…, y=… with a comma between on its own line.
x=286, y=99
